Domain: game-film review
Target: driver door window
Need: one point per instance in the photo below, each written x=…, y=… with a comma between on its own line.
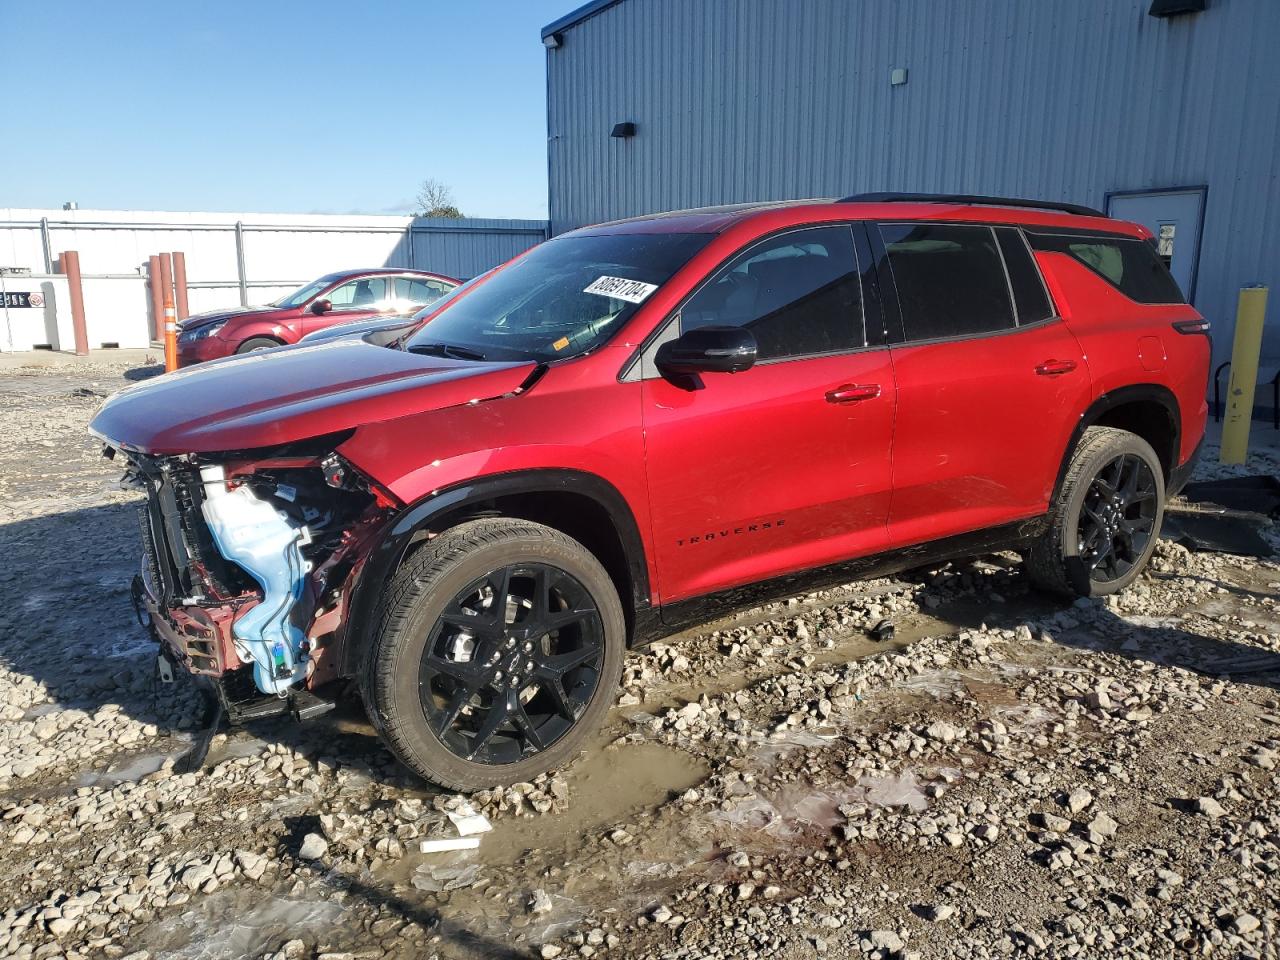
x=367, y=293
x=799, y=294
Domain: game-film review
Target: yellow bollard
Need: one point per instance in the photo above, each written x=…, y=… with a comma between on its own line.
x=1244, y=374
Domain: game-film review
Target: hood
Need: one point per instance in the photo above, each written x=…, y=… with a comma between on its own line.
x=214, y=316
x=386, y=328
x=279, y=396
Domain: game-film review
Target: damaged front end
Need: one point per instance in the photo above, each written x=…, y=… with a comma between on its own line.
x=248, y=564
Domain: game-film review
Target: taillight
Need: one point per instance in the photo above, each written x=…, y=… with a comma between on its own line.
x=1191, y=326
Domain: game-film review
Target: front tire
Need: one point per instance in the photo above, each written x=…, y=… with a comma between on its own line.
x=498, y=650
x=254, y=344
x=1105, y=522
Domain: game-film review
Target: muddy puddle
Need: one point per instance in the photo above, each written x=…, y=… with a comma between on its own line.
x=606, y=786
x=485, y=893
x=133, y=769
x=238, y=922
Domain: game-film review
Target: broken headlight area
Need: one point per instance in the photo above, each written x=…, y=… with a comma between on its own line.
x=247, y=564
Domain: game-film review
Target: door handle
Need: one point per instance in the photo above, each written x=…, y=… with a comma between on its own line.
x=853, y=392
x=1055, y=368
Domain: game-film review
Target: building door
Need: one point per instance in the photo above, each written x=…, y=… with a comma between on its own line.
x=1175, y=217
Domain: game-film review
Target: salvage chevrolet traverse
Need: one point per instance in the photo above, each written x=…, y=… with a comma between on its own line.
x=638, y=426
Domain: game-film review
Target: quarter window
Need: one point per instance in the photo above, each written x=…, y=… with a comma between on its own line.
x=950, y=279
x=1130, y=265
x=798, y=293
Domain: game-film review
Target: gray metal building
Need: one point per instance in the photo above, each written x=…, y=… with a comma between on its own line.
x=1173, y=121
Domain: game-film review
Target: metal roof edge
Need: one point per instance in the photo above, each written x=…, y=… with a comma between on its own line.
x=577, y=16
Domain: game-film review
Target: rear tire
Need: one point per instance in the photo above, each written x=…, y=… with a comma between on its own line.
x=473, y=681
x=254, y=344
x=1105, y=522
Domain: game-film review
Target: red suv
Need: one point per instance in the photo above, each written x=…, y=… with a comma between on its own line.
x=638, y=425
x=334, y=298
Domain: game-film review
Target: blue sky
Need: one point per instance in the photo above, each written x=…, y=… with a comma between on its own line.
x=276, y=106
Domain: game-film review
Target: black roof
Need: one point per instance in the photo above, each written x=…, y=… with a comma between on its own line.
x=975, y=199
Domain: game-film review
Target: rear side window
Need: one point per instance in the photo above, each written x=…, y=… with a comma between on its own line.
x=1029, y=295
x=1129, y=265
x=950, y=279
x=421, y=291
x=799, y=293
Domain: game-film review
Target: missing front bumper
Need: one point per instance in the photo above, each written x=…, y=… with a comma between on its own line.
x=200, y=640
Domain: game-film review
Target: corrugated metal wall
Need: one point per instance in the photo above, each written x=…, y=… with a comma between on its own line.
x=1063, y=99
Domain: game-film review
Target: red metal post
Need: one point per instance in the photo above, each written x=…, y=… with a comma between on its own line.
x=166, y=277
x=71, y=267
x=157, y=297
x=180, y=284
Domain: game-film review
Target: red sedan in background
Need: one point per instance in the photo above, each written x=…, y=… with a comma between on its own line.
x=332, y=299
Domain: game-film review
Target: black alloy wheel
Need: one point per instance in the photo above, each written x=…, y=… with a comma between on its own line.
x=1104, y=521
x=511, y=663
x=1117, y=518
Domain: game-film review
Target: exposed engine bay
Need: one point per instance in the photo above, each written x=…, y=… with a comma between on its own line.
x=248, y=564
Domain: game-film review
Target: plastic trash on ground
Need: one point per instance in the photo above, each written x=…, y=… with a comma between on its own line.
x=433, y=878
x=445, y=844
x=467, y=822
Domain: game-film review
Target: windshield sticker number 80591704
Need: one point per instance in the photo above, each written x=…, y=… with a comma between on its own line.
x=620, y=288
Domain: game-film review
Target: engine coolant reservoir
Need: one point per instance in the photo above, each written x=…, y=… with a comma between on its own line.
x=249, y=531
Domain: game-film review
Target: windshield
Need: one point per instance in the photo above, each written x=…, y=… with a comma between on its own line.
x=562, y=298
x=303, y=293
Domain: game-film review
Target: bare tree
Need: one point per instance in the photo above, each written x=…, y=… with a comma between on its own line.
x=435, y=199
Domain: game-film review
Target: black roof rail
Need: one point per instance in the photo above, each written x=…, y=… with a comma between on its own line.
x=969, y=198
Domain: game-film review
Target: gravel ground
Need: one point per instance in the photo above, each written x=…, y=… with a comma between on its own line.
x=1002, y=777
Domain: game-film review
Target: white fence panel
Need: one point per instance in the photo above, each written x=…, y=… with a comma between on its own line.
x=231, y=258
x=305, y=255
x=115, y=311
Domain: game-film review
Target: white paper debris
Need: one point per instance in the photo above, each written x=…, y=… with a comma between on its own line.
x=468, y=823
x=449, y=843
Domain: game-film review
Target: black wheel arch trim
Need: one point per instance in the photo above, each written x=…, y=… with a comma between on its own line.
x=1122, y=396
x=397, y=535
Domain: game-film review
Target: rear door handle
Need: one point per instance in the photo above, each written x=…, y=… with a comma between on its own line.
x=853, y=392
x=1054, y=368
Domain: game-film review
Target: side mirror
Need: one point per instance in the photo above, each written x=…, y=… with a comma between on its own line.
x=707, y=350
x=321, y=306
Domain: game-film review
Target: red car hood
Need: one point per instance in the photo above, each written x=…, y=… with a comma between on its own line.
x=277, y=396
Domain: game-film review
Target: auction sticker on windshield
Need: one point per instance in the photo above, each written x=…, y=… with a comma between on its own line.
x=620, y=288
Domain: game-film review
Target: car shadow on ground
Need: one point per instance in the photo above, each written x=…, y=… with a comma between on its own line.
x=1102, y=630
x=137, y=374
x=67, y=622
x=462, y=941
